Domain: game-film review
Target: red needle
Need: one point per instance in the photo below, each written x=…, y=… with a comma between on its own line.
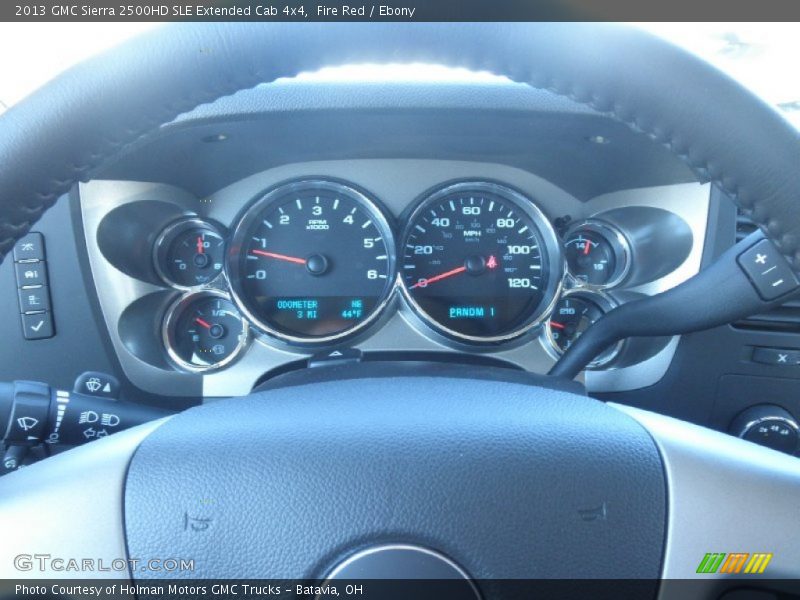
x=587, y=246
x=426, y=282
x=291, y=259
x=557, y=325
x=205, y=324
x=199, y=244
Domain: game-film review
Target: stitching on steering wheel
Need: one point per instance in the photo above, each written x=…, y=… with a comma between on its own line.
x=604, y=104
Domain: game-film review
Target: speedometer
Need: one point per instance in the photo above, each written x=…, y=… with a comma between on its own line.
x=480, y=262
x=312, y=261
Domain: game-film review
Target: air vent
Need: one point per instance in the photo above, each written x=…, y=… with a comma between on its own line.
x=785, y=318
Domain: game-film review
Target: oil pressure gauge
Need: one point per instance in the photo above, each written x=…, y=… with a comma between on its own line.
x=189, y=253
x=598, y=254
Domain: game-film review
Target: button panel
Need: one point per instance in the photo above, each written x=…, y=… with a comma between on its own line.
x=776, y=356
x=31, y=273
x=33, y=292
x=96, y=384
x=34, y=299
x=30, y=247
x=37, y=326
x=768, y=271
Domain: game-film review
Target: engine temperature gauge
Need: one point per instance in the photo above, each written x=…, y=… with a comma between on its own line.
x=574, y=313
x=204, y=331
x=598, y=255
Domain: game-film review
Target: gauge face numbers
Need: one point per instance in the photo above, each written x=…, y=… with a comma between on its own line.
x=597, y=255
x=314, y=261
x=573, y=314
x=474, y=264
x=571, y=317
x=204, y=331
x=590, y=258
x=190, y=253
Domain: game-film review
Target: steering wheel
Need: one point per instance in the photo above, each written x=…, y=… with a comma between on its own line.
x=431, y=472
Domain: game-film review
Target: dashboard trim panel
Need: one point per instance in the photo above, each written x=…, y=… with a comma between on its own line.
x=396, y=182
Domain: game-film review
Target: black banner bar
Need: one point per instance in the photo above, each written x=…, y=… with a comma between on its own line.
x=721, y=586
x=398, y=10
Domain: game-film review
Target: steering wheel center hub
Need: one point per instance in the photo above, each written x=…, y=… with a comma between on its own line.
x=403, y=561
x=299, y=474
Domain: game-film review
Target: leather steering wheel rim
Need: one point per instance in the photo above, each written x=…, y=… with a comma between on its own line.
x=60, y=134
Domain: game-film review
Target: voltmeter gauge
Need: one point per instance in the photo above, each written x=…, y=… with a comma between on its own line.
x=189, y=253
x=573, y=314
x=204, y=331
x=598, y=254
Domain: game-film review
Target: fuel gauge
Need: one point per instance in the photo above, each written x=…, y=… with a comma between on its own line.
x=598, y=254
x=204, y=331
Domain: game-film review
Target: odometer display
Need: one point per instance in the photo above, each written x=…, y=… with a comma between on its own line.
x=312, y=261
x=478, y=262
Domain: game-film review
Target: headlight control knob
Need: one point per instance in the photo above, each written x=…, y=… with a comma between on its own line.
x=768, y=425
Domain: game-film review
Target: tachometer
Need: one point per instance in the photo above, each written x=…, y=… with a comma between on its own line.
x=480, y=262
x=312, y=261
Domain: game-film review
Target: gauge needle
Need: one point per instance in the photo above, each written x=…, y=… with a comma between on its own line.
x=557, y=325
x=291, y=259
x=200, y=321
x=199, y=244
x=426, y=282
x=587, y=246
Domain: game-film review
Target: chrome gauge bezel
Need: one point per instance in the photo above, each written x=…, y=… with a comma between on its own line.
x=600, y=299
x=244, y=224
x=164, y=239
x=168, y=331
x=552, y=247
x=619, y=244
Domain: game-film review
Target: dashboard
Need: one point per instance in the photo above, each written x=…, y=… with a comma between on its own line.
x=594, y=215
x=309, y=260
x=412, y=266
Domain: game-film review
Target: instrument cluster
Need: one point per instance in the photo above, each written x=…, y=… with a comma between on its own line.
x=316, y=263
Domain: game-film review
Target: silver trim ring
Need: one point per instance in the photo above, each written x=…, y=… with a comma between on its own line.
x=166, y=235
x=750, y=424
x=619, y=244
x=457, y=570
x=168, y=333
x=255, y=209
x=552, y=247
x=603, y=301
